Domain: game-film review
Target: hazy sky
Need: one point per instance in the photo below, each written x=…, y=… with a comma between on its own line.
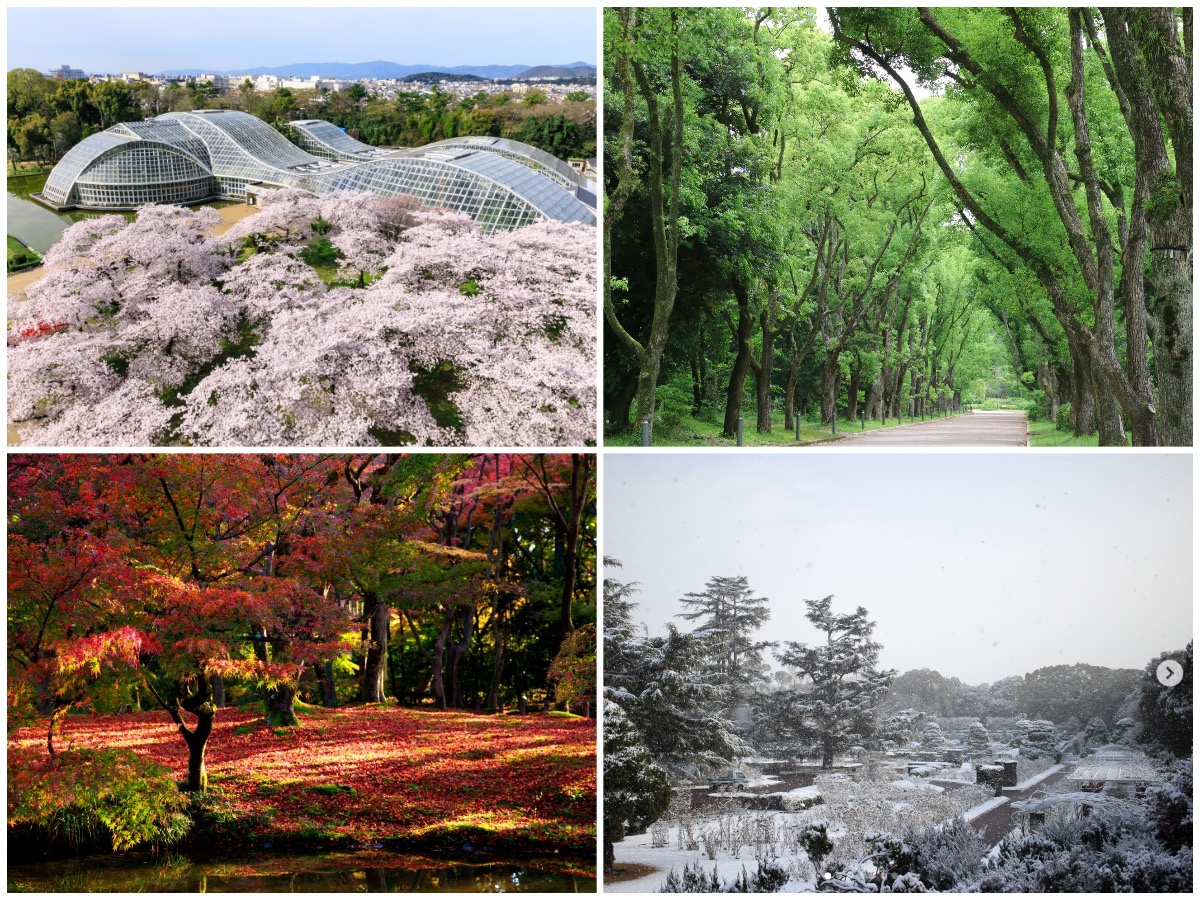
x=980, y=566
x=152, y=39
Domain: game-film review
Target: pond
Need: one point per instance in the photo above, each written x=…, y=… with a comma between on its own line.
x=40, y=227
x=358, y=871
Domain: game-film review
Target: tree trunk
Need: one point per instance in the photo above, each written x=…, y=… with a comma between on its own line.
x=1083, y=410
x=830, y=372
x=499, y=644
x=218, y=689
x=378, y=615
x=766, y=363
x=852, y=393
x=280, y=706
x=325, y=683
x=743, y=332
x=456, y=655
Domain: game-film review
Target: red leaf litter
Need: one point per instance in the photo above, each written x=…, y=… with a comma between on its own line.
x=377, y=773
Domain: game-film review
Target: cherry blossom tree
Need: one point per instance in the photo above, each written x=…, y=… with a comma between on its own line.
x=155, y=331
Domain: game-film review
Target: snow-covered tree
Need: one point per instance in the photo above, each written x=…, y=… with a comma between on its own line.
x=658, y=683
x=979, y=742
x=1036, y=739
x=1096, y=733
x=1167, y=711
x=636, y=790
x=932, y=739
x=728, y=615
x=846, y=687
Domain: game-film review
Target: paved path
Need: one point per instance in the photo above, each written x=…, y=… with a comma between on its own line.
x=998, y=822
x=978, y=429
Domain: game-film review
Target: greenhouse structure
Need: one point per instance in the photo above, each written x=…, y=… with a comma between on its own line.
x=189, y=157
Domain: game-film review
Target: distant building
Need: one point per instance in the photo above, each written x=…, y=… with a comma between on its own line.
x=65, y=72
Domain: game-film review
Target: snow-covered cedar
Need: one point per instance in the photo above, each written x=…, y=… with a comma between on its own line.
x=156, y=331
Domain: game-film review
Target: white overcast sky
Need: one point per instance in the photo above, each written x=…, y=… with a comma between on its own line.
x=980, y=566
x=153, y=39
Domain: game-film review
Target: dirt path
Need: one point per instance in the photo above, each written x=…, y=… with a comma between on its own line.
x=998, y=822
x=978, y=429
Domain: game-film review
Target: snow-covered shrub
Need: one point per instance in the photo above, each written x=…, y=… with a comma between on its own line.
x=933, y=743
x=937, y=857
x=695, y=879
x=1170, y=808
x=979, y=742
x=1037, y=739
x=1114, y=850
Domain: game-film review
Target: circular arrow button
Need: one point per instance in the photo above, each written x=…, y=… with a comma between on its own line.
x=1170, y=673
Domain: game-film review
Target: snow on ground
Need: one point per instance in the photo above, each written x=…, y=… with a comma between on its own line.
x=637, y=850
x=727, y=839
x=977, y=811
x=1040, y=776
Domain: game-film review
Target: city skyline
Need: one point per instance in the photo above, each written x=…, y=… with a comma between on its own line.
x=160, y=39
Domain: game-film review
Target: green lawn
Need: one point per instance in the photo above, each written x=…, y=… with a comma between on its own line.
x=1044, y=434
x=699, y=433
x=20, y=256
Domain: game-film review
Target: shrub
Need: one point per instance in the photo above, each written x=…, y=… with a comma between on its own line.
x=1062, y=421
x=83, y=798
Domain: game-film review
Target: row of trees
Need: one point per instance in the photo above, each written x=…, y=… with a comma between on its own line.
x=788, y=216
x=46, y=117
x=1058, y=693
x=185, y=582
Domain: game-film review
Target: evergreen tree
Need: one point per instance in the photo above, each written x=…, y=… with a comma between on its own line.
x=660, y=683
x=1037, y=739
x=1167, y=711
x=979, y=742
x=636, y=789
x=932, y=739
x=839, y=710
x=729, y=615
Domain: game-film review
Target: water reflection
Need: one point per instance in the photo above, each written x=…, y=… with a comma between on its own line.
x=39, y=226
x=370, y=871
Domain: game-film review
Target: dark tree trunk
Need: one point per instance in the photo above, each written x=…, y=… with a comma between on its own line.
x=743, y=333
x=456, y=655
x=622, y=402
x=379, y=616
x=325, y=683
x=1083, y=409
x=830, y=372
x=218, y=689
x=280, y=706
x=852, y=394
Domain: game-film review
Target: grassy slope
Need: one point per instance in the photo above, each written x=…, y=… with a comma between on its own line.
x=697, y=433
x=378, y=774
x=1044, y=434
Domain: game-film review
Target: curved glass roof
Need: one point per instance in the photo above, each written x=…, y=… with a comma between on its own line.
x=502, y=184
x=327, y=140
x=70, y=167
x=522, y=153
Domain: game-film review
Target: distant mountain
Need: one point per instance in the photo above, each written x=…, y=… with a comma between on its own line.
x=381, y=69
x=575, y=70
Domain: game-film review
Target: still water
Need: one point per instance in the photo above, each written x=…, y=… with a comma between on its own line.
x=363, y=871
x=40, y=227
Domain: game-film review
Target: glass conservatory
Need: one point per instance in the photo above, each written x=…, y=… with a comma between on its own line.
x=186, y=157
